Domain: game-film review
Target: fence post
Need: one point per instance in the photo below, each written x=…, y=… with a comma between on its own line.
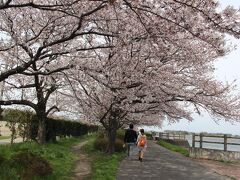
x=193, y=140
x=225, y=142
x=201, y=137
x=167, y=135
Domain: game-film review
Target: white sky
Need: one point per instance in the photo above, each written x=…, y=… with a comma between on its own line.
x=227, y=69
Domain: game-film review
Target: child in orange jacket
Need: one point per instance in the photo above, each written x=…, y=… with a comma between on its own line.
x=141, y=144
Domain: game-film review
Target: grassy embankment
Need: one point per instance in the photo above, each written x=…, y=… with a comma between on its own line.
x=59, y=156
x=173, y=147
x=104, y=166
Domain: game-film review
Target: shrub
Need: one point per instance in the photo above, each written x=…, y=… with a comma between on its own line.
x=101, y=134
x=33, y=165
x=100, y=144
x=149, y=135
x=120, y=134
x=119, y=145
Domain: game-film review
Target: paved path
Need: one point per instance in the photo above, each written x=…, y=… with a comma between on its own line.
x=161, y=164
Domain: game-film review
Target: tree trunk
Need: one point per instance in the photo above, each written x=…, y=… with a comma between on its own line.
x=111, y=133
x=51, y=132
x=41, y=127
x=111, y=140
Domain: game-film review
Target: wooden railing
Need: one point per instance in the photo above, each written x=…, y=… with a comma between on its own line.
x=171, y=136
x=224, y=138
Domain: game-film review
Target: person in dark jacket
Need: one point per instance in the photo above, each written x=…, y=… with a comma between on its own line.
x=130, y=139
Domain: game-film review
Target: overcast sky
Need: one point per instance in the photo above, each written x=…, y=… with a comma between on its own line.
x=227, y=69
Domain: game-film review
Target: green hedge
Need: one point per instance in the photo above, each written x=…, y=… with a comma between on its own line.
x=54, y=127
x=62, y=128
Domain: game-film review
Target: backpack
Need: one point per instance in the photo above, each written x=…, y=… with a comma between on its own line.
x=142, y=141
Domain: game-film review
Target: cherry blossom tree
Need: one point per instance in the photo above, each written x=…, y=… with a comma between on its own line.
x=124, y=60
x=37, y=43
x=160, y=70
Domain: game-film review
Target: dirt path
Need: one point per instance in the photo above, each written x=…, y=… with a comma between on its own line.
x=82, y=168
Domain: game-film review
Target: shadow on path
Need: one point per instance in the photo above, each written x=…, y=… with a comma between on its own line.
x=161, y=164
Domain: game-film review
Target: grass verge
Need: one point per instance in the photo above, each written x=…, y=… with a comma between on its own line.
x=58, y=155
x=173, y=147
x=103, y=166
x=5, y=137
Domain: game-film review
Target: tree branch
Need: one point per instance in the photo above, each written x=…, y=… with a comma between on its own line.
x=18, y=102
x=52, y=108
x=48, y=72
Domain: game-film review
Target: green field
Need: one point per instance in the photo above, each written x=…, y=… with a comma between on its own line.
x=5, y=137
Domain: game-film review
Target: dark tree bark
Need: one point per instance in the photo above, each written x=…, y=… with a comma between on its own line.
x=111, y=134
x=42, y=118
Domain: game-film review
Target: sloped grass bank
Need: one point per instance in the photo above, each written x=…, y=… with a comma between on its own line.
x=173, y=147
x=104, y=166
x=14, y=160
x=58, y=155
